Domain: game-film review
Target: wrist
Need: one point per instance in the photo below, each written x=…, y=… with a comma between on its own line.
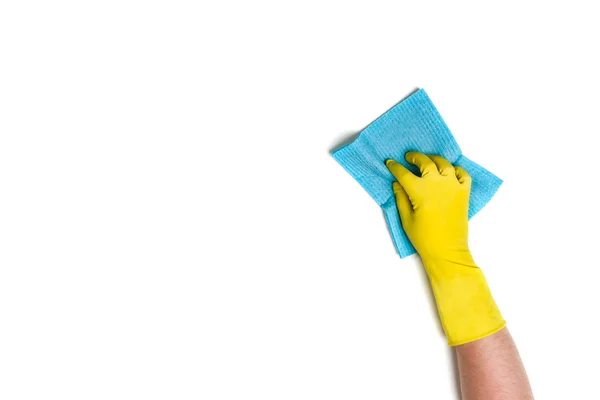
x=465, y=304
x=448, y=258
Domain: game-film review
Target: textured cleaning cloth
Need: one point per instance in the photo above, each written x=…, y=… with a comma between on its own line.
x=412, y=125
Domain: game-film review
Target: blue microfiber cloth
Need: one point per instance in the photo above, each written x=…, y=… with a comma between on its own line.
x=412, y=125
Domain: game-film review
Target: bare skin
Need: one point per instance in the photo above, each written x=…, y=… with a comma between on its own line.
x=491, y=369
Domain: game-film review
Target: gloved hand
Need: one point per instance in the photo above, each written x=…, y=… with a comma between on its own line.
x=434, y=213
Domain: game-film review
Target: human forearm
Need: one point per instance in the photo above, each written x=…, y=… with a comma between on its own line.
x=491, y=369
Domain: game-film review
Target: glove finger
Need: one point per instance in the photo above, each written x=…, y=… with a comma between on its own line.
x=443, y=165
x=401, y=173
x=426, y=166
x=463, y=176
x=402, y=201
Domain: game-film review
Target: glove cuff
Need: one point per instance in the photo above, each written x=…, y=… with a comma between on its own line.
x=465, y=304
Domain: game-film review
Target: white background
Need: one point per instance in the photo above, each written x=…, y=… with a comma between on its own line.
x=172, y=225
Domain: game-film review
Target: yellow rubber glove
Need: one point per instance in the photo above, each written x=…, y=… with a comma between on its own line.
x=434, y=213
